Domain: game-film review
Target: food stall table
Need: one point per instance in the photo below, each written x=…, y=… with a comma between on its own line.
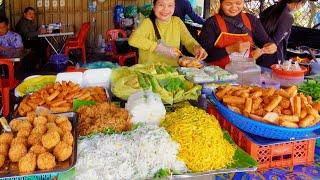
x=56, y=40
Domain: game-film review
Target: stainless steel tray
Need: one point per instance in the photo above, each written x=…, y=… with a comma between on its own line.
x=11, y=171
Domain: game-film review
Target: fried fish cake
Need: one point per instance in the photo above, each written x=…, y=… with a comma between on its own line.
x=62, y=151
x=39, y=129
x=34, y=139
x=61, y=119
x=2, y=160
x=40, y=120
x=4, y=149
x=24, y=124
x=65, y=126
x=50, y=139
x=28, y=163
x=19, y=140
x=17, y=151
x=14, y=124
x=46, y=161
x=6, y=138
x=37, y=149
x=67, y=138
x=24, y=132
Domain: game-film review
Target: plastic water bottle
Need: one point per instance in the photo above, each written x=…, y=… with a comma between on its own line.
x=77, y=66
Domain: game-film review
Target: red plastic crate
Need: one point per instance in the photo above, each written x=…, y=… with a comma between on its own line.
x=270, y=156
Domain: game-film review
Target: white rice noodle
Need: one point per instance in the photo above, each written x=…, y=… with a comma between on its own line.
x=137, y=155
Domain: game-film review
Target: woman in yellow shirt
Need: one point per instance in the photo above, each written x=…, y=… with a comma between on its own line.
x=158, y=37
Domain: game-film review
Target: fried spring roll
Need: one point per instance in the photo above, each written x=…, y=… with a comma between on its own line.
x=273, y=104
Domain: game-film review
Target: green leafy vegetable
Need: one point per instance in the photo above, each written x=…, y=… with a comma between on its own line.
x=311, y=88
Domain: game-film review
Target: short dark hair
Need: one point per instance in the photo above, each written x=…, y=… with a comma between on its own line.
x=28, y=8
x=4, y=19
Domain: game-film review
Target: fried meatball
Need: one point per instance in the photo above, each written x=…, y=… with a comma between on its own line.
x=6, y=138
x=46, y=161
x=37, y=149
x=4, y=148
x=50, y=139
x=40, y=129
x=17, y=151
x=19, y=140
x=50, y=125
x=40, y=120
x=61, y=119
x=51, y=117
x=67, y=138
x=28, y=163
x=24, y=132
x=62, y=151
x=14, y=124
x=2, y=160
x=57, y=129
x=65, y=126
x=34, y=139
x=30, y=116
x=24, y=123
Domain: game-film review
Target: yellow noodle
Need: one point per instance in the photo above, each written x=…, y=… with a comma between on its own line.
x=202, y=145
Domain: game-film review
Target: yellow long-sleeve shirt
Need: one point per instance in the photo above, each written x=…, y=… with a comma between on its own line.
x=172, y=33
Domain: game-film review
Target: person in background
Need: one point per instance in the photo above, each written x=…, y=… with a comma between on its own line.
x=232, y=30
x=158, y=37
x=25, y=27
x=29, y=33
x=183, y=8
x=277, y=21
x=8, y=40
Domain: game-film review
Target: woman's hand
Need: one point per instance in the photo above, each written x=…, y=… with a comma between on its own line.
x=255, y=54
x=199, y=52
x=269, y=48
x=239, y=47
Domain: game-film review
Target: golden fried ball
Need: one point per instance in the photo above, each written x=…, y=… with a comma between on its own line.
x=65, y=126
x=50, y=125
x=57, y=129
x=17, y=151
x=2, y=160
x=61, y=119
x=28, y=163
x=40, y=120
x=19, y=140
x=14, y=124
x=46, y=161
x=6, y=138
x=44, y=112
x=50, y=139
x=30, y=116
x=37, y=149
x=24, y=123
x=67, y=138
x=34, y=139
x=51, y=117
x=40, y=129
x=62, y=151
x=4, y=149
x=24, y=132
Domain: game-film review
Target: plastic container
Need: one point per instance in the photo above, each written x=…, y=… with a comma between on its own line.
x=75, y=77
x=288, y=78
x=268, y=83
x=283, y=154
x=246, y=68
x=97, y=77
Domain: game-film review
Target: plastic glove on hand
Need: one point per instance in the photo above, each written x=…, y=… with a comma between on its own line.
x=269, y=48
x=199, y=53
x=168, y=51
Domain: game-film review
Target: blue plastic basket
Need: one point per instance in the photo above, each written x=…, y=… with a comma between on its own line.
x=260, y=128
